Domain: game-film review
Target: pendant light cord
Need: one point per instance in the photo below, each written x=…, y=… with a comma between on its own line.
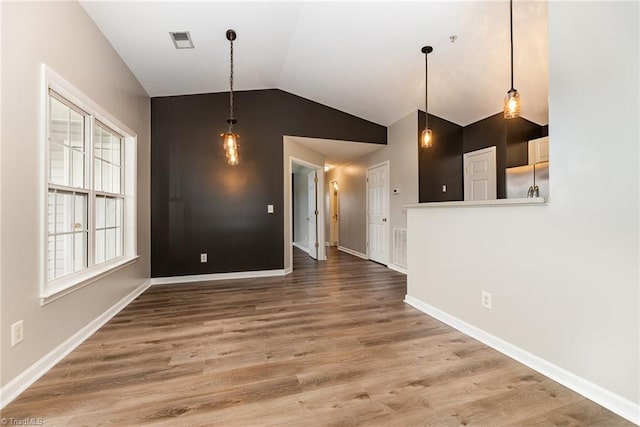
x=511, y=34
x=231, y=88
x=426, y=90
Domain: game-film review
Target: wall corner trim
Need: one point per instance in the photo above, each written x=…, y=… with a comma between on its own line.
x=614, y=402
x=352, y=252
x=216, y=276
x=13, y=388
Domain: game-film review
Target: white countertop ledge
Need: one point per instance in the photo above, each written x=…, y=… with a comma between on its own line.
x=532, y=201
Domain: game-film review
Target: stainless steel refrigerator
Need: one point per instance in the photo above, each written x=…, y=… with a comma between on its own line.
x=523, y=181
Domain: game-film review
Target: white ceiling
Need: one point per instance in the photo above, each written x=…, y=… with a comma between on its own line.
x=337, y=153
x=359, y=57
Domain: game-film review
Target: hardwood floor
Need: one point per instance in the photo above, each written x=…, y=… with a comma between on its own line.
x=331, y=344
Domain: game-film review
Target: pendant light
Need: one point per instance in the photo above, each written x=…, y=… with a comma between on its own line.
x=426, y=141
x=230, y=139
x=512, y=100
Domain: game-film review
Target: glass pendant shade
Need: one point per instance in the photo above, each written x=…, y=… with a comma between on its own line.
x=426, y=141
x=230, y=145
x=512, y=104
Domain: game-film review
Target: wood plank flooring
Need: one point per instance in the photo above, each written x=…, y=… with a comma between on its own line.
x=330, y=345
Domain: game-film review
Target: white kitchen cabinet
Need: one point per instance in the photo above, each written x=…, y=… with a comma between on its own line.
x=539, y=150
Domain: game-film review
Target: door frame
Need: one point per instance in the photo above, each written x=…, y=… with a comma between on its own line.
x=337, y=205
x=387, y=226
x=322, y=253
x=465, y=164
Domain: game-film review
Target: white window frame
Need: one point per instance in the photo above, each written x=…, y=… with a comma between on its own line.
x=102, y=193
x=52, y=290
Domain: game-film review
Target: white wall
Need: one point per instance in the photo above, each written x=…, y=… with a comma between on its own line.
x=564, y=277
x=301, y=209
x=402, y=154
x=61, y=35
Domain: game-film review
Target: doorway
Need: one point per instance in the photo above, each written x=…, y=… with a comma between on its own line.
x=334, y=226
x=312, y=213
x=480, y=174
x=306, y=213
x=301, y=209
x=378, y=213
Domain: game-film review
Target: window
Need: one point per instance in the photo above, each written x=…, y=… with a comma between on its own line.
x=90, y=197
x=67, y=201
x=107, y=154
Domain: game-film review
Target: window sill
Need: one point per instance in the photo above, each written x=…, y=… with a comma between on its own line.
x=84, y=278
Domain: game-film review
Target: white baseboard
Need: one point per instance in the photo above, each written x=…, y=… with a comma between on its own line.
x=352, y=252
x=288, y=270
x=13, y=388
x=301, y=247
x=615, y=403
x=397, y=268
x=215, y=276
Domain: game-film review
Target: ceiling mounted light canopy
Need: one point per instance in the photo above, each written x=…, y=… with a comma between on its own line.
x=229, y=138
x=512, y=100
x=426, y=140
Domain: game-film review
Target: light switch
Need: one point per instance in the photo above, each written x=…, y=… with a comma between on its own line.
x=269, y=208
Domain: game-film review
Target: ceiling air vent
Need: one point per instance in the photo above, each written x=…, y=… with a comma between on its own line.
x=181, y=39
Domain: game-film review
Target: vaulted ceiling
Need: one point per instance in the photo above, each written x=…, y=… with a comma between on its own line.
x=359, y=57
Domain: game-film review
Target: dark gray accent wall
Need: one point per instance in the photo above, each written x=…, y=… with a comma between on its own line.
x=519, y=132
x=442, y=164
x=200, y=204
x=545, y=131
x=510, y=138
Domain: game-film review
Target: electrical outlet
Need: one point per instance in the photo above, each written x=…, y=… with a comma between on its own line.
x=17, y=332
x=203, y=257
x=444, y=188
x=486, y=300
x=269, y=208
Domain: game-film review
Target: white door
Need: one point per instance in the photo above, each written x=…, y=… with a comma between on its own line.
x=480, y=174
x=378, y=212
x=313, y=216
x=333, y=231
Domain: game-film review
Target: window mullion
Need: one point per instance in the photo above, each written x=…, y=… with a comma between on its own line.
x=68, y=189
x=112, y=195
x=73, y=236
x=69, y=149
x=48, y=141
x=123, y=192
x=55, y=234
x=104, y=250
x=91, y=199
